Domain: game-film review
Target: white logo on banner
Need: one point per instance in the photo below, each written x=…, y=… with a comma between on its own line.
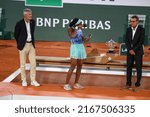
x=54, y=22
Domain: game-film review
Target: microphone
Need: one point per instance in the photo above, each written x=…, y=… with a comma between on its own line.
x=90, y=36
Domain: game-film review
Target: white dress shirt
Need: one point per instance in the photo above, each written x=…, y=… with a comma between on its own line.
x=28, y=31
x=134, y=31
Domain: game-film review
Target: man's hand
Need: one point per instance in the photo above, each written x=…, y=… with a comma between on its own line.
x=132, y=52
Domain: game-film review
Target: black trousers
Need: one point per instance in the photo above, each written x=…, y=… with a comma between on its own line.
x=138, y=59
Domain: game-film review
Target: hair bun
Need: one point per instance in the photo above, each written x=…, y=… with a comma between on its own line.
x=73, y=22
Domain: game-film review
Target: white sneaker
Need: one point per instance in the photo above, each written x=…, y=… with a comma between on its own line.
x=24, y=83
x=78, y=86
x=67, y=87
x=35, y=83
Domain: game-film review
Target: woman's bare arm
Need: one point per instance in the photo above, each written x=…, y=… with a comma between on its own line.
x=72, y=32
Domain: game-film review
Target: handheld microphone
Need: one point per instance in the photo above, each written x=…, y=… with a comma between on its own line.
x=90, y=36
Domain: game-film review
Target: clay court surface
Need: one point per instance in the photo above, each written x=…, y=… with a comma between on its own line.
x=96, y=86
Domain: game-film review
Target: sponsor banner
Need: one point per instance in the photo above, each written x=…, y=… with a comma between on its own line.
x=51, y=3
x=44, y=3
x=111, y=2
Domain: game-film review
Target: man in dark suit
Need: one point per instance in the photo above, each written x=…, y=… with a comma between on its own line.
x=134, y=42
x=24, y=35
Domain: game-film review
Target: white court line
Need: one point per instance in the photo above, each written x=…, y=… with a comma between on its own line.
x=65, y=69
x=31, y=97
x=85, y=70
x=12, y=76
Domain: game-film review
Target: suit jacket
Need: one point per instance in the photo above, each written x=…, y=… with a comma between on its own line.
x=20, y=33
x=137, y=42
